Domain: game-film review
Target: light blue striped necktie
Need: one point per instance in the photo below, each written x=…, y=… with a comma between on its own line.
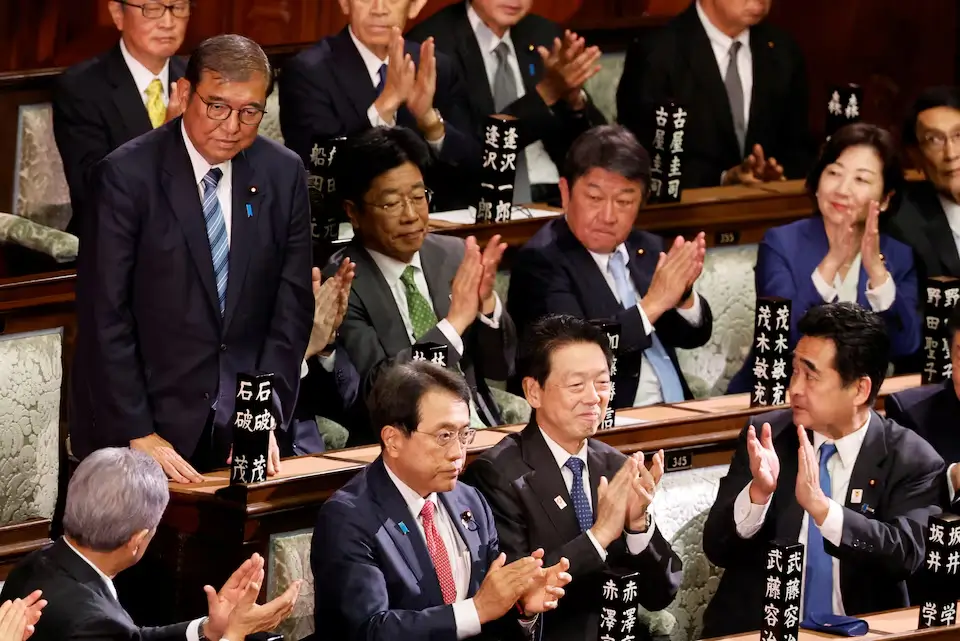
x=670, y=387
x=216, y=233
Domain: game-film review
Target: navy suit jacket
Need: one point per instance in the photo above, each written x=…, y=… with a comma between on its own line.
x=378, y=580
x=786, y=259
x=933, y=412
x=554, y=274
x=154, y=354
x=901, y=478
x=325, y=92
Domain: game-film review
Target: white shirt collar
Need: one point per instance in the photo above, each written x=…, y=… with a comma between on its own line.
x=719, y=38
x=370, y=60
x=848, y=447
x=560, y=454
x=391, y=268
x=106, y=579
x=200, y=164
x=603, y=260
x=486, y=38
x=142, y=77
x=411, y=497
x=950, y=208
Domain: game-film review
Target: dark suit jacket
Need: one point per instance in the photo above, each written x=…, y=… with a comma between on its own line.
x=326, y=91
x=373, y=332
x=554, y=274
x=332, y=395
x=677, y=64
x=557, y=127
x=520, y=479
x=97, y=108
x=788, y=256
x=379, y=581
x=153, y=352
x=921, y=223
x=932, y=412
x=79, y=603
x=900, y=476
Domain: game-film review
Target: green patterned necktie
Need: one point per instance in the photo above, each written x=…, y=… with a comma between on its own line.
x=422, y=316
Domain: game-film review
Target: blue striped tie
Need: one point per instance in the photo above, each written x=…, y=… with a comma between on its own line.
x=216, y=233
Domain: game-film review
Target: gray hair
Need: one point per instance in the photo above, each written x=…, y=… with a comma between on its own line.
x=233, y=57
x=115, y=493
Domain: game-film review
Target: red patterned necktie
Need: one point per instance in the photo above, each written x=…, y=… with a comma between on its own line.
x=438, y=552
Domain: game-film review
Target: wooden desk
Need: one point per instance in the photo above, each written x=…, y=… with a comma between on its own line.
x=889, y=626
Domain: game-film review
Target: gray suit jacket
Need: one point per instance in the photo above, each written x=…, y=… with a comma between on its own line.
x=374, y=335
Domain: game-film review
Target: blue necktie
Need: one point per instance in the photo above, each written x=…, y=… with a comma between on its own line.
x=383, y=79
x=670, y=386
x=818, y=582
x=216, y=233
x=580, y=503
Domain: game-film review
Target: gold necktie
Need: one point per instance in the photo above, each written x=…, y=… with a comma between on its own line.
x=155, y=107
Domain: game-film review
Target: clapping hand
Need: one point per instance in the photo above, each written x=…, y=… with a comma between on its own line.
x=400, y=80
x=330, y=305
x=764, y=464
x=465, y=288
x=644, y=490
x=548, y=589
x=870, y=248
x=490, y=260
x=755, y=169
x=247, y=617
x=810, y=495
x=567, y=67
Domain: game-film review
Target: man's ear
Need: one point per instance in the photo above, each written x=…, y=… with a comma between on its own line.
x=116, y=14
x=564, y=193
x=391, y=437
x=415, y=8
x=353, y=213
x=532, y=391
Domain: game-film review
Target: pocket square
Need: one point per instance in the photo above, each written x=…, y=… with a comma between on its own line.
x=836, y=625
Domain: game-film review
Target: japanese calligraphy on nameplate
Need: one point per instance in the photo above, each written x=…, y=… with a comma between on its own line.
x=620, y=607
x=326, y=207
x=938, y=577
x=612, y=330
x=498, y=172
x=771, y=353
x=666, y=157
x=781, y=592
x=252, y=423
x=940, y=297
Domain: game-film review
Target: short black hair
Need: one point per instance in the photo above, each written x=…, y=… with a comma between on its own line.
x=855, y=135
x=374, y=152
x=610, y=147
x=931, y=98
x=860, y=337
x=234, y=57
x=549, y=334
x=396, y=394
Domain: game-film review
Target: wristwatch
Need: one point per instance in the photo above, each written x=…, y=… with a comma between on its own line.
x=201, y=630
x=648, y=521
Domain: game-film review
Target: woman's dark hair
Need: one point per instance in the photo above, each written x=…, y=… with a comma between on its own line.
x=865, y=134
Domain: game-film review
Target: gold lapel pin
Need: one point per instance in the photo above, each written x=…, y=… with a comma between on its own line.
x=770, y=44
x=640, y=252
x=253, y=190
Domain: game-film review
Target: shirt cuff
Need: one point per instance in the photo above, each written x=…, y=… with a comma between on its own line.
x=453, y=338
x=637, y=543
x=748, y=517
x=647, y=325
x=437, y=145
x=304, y=369
x=950, y=489
x=329, y=361
x=375, y=120
x=832, y=528
x=881, y=298
x=193, y=629
x=466, y=618
x=596, y=544
x=494, y=322
x=827, y=293
x=528, y=625
x=694, y=314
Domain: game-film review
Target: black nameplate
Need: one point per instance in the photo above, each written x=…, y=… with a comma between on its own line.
x=676, y=460
x=436, y=354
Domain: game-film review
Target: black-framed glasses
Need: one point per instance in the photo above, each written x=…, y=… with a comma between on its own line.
x=418, y=199
x=445, y=437
x=156, y=10
x=219, y=111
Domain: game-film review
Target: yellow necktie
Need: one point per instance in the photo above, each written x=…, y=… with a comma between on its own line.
x=155, y=107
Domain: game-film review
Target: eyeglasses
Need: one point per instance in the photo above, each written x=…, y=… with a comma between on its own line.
x=156, y=10
x=418, y=200
x=937, y=141
x=445, y=437
x=218, y=111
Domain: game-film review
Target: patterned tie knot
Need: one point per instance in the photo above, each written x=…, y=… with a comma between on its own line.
x=426, y=512
x=407, y=276
x=826, y=451
x=154, y=89
x=575, y=465
x=211, y=178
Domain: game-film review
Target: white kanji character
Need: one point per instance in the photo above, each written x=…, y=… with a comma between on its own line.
x=763, y=343
x=947, y=370
x=503, y=211
x=263, y=421
x=316, y=156
x=933, y=296
x=674, y=167
x=244, y=419
x=659, y=139
x=929, y=612
x=608, y=618
x=794, y=562
x=949, y=613
x=485, y=210
x=331, y=185
x=610, y=591
x=491, y=160
x=509, y=162
x=774, y=559
x=629, y=620
x=933, y=322
x=614, y=341
x=333, y=152
x=951, y=297
x=931, y=371
x=834, y=105
x=760, y=369
x=853, y=107
x=245, y=392
x=418, y=355
x=657, y=164
x=779, y=369
x=676, y=143
x=613, y=367
x=656, y=186
x=792, y=592
x=240, y=468
x=930, y=345
x=773, y=587
x=778, y=397
x=953, y=562
x=760, y=394
x=933, y=561
x=679, y=118
x=673, y=188
x=936, y=533
x=763, y=317
x=492, y=137
x=439, y=358
x=263, y=393
x=791, y=615
x=258, y=473
x=662, y=117
x=613, y=391
x=954, y=537
x=510, y=138
x=771, y=615
x=630, y=592
x=768, y=635
x=780, y=345
x=783, y=318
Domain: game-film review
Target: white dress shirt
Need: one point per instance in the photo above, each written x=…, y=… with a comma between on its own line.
x=721, y=43
x=464, y=611
x=648, y=387
x=373, y=63
x=636, y=543
x=193, y=629
x=142, y=77
x=749, y=518
x=540, y=168
x=952, y=211
x=844, y=290
x=224, y=187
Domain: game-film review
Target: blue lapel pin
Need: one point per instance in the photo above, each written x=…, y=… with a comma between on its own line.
x=533, y=69
x=403, y=527
x=249, y=210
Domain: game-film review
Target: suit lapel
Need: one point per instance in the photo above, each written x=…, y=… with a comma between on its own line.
x=371, y=288
x=126, y=97
x=527, y=57
x=432, y=259
x=595, y=466
x=868, y=468
x=351, y=74
x=547, y=483
x=602, y=302
x=938, y=230
x=77, y=568
x=788, y=525
x=641, y=271
x=471, y=61
x=181, y=189
x=764, y=79
x=244, y=229
x=455, y=505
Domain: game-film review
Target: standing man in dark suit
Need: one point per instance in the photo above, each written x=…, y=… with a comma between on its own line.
x=856, y=489
x=592, y=264
x=198, y=268
x=367, y=76
x=405, y=550
x=413, y=287
x=929, y=216
x=102, y=103
x=548, y=485
x=535, y=72
x=743, y=83
x=114, y=503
